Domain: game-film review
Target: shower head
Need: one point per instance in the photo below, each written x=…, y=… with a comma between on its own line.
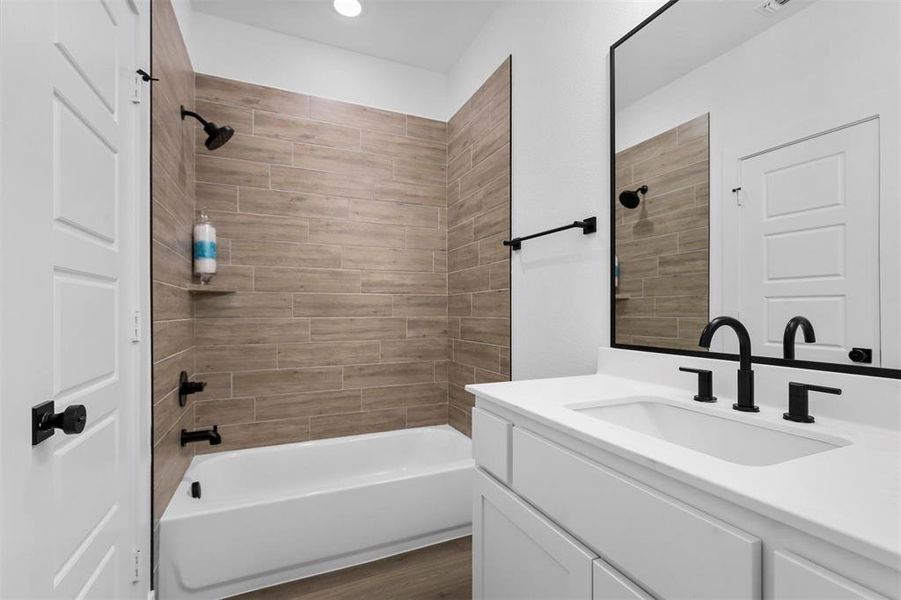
x=631, y=198
x=216, y=136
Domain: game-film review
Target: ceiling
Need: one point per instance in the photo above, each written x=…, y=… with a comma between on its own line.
x=430, y=34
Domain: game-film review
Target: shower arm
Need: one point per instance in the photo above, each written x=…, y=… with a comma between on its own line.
x=190, y=113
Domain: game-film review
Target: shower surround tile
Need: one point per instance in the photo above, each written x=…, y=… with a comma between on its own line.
x=337, y=212
x=172, y=215
x=478, y=214
x=662, y=248
x=334, y=223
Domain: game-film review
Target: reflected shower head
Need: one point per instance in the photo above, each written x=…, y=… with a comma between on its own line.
x=631, y=198
x=215, y=136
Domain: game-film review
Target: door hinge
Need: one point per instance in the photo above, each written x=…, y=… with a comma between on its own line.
x=136, y=575
x=137, y=89
x=136, y=327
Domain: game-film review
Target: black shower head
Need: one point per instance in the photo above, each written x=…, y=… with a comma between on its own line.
x=631, y=198
x=215, y=136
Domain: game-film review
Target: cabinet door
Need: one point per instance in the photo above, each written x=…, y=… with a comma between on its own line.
x=520, y=555
x=795, y=578
x=672, y=549
x=610, y=584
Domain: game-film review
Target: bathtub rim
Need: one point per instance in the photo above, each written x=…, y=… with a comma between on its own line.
x=181, y=497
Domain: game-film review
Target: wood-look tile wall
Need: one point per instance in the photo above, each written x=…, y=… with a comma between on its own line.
x=478, y=214
x=332, y=227
x=172, y=213
x=662, y=298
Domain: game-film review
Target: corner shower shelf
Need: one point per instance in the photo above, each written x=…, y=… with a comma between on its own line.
x=196, y=288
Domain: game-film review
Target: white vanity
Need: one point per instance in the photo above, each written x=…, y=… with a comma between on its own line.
x=619, y=485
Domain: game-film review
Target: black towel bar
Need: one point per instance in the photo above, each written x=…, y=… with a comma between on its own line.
x=588, y=225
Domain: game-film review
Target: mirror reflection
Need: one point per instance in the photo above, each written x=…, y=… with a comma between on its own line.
x=757, y=175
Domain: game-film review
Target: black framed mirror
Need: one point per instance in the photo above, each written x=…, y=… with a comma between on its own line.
x=756, y=173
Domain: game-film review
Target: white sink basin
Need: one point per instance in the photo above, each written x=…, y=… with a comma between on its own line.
x=727, y=439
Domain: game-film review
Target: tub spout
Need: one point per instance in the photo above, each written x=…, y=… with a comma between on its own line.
x=211, y=435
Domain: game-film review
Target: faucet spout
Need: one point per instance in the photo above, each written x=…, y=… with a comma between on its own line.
x=209, y=435
x=745, y=373
x=791, y=329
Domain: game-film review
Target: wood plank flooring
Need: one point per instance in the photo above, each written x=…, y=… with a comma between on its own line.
x=442, y=571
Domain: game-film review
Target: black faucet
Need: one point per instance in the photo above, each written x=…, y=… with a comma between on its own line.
x=745, y=373
x=212, y=435
x=788, y=338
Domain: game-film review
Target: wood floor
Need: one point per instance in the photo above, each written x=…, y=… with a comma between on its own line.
x=441, y=571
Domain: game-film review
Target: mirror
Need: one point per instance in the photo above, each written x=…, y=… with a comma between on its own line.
x=756, y=174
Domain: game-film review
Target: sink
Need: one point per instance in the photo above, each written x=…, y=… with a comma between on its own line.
x=727, y=439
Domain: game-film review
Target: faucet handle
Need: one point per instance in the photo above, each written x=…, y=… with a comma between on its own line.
x=798, y=400
x=705, y=384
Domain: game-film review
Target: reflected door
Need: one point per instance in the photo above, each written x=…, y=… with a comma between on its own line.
x=809, y=246
x=69, y=261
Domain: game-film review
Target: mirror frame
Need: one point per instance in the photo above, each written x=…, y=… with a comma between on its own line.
x=870, y=371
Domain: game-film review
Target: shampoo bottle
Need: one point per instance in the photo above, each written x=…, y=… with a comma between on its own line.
x=204, y=248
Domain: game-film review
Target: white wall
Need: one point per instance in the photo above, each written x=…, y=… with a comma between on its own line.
x=236, y=51
x=772, y=90
x=561, y=308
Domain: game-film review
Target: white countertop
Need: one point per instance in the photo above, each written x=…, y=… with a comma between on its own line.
x=849, y=496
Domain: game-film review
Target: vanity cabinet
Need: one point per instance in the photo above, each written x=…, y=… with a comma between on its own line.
x=550, y=522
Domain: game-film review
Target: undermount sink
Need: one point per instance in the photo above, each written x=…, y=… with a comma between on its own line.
x=727, y=439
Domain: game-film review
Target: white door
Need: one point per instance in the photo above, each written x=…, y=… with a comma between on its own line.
x=810, y=244
x=517, y=554
x=69, y=248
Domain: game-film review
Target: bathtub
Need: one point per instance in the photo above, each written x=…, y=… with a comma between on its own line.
x=280, y=513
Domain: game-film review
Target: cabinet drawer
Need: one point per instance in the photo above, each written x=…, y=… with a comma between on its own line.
x=669, y=548
x=795, y=578
x=517, y=554
x=610, y=584
x=491, y=443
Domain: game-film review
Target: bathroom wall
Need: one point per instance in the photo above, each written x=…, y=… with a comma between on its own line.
x=172, y=182
x=560, y=172
x=238, y=51
x=478, y=264
x=662, y=245
x=332, y=233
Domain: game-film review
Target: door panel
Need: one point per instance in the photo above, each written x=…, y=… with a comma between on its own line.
x=610, y=584
x=69, y=249
x=795, y=578
x=520, y=555
x=671, y=549
x=807, y=216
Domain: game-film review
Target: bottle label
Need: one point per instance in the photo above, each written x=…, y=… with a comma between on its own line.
x=204, y=249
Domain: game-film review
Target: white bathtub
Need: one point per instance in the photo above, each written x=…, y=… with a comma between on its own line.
x=275, y=514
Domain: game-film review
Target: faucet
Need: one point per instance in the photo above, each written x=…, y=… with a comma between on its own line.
x=189, y=437
x=745, y=373
x=788, y=338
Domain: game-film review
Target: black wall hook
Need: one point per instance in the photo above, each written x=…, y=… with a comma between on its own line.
x=145, y=75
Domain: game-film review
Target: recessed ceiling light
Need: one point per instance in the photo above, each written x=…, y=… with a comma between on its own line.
x=348, y=8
